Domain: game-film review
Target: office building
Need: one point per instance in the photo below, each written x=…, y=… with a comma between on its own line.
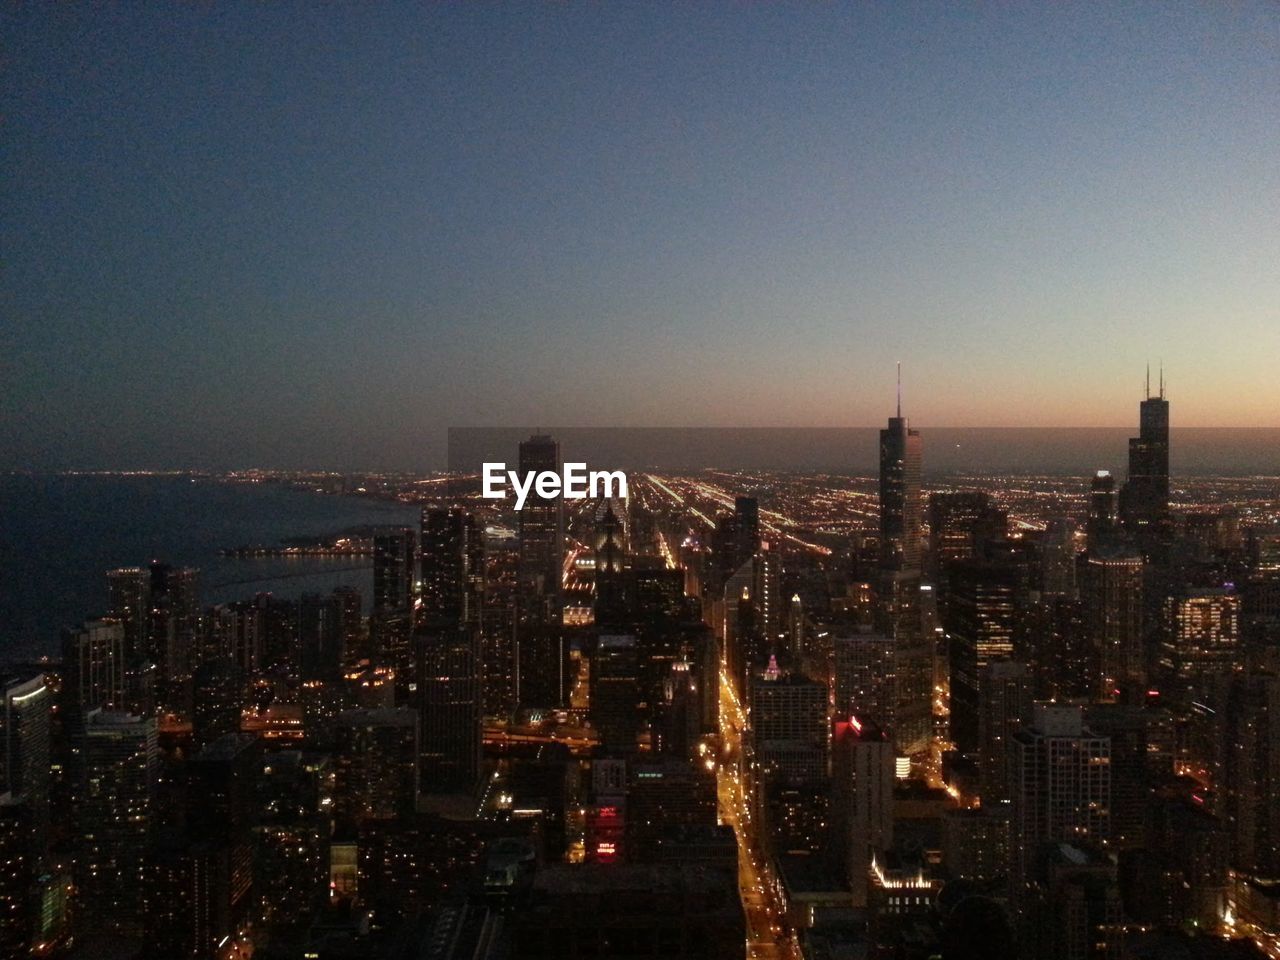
x=982, y=611
x=449, y=709
x=540, y=530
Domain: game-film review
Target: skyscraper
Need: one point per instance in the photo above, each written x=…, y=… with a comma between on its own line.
x=960, y=522
x=175, y=619
x=120, y=760
x=1111, y=589
x=452, y=568
x=1060, y=785
x=1103, y=509
x=615, y=692
x=1002, y=709
x=393, y=570
x=901, y=451
x=610, y=557
x=220, y=786
x=541, y=529
x=1203, y=642
x=93, y=665
x=449, y=709
x=25, y=747
x=129, y=601
x=1144, y=500
x=789, y=727
x=1252, y=755
x=862, y=787
x=376, y=760
x=981, y=620
x=864, y=677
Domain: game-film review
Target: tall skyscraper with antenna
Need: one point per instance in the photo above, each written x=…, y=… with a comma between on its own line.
x=901, y=510
x=1144, y=501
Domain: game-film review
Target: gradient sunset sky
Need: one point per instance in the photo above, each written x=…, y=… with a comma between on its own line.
x=319, y=234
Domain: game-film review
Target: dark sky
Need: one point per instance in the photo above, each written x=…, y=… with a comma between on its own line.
x=317, y=235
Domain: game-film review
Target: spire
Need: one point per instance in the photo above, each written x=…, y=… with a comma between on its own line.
x=899, y=389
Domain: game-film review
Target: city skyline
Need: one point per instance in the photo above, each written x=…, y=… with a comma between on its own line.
x=262, y=230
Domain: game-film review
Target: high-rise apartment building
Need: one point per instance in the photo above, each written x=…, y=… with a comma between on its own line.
x=863, y=776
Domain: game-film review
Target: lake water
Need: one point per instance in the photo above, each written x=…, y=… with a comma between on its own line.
x=59, y=534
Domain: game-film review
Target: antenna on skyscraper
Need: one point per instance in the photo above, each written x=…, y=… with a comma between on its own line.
x=899, y=389
x=1161, y=379
x=1148, y=390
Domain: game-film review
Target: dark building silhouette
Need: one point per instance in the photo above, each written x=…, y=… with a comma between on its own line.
x=1104, y=510
x=449, y=709
x=393, y=570
x=541, y=533
x=1144, y=500
x=899, y=580
x=452, y=568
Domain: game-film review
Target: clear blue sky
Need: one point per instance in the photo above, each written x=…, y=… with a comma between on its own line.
x=304, y=234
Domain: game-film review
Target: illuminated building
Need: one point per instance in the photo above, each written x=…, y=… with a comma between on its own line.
x=1203, y=644
x=900, y=896
x=797, y=817
x=235, y=634
x=1262, y=545
x=1060, y=787
x=1004, y=706
x=679, y=714
x=26, y=730
x=981, y=614
x=1260, y=622
x=862, y=780
x=1104, y=511
x=93, y=665
x=175, y=621
x=129, y=601
x=375, y=764
x=1111, y=590
x=789, y=728
x=864, y=676
x=452, y=568
x=219, y=695
x=116, y=812
x=615, y=692
x=959, y=523
x=1058, y=559
x=16, y=921
x=901, y=452
x=449, y=709
x=610, y=566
